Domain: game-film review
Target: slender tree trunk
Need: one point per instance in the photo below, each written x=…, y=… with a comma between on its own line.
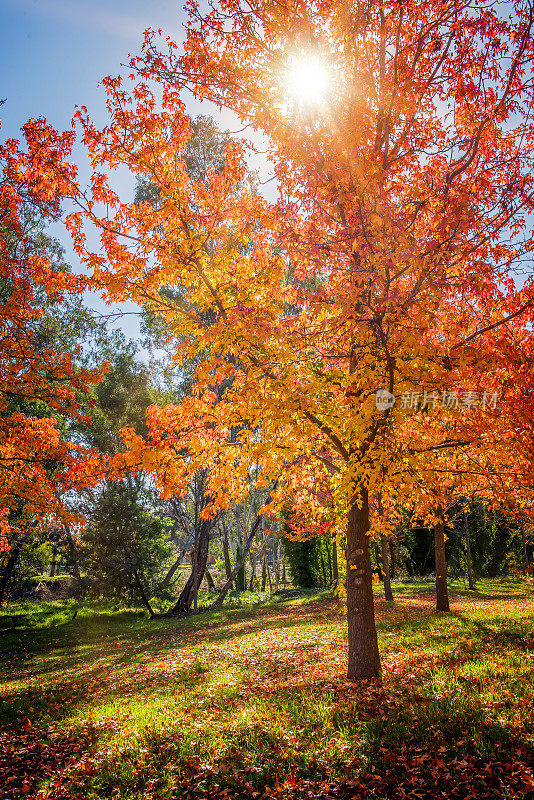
x=269, y=578
x=252, y=576
x=143, y=594
x=335, y=568
x=226, y=553
x=323, y=565
x=170, y=574
x=364, y=658
x=54, y=562
x=7, y=571
x=442, y=593
x=195, y=572
x=222, y=594
x=470, y=581
x=385, y=568
x=200, y=560
x=264, y=573
x=240, y=583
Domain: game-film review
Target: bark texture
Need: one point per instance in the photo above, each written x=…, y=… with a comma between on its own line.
x=8, y=569
x=442, y=592
x=364, y=658
x=190, y=590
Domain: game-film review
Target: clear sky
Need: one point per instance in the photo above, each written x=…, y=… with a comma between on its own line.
x=54, y=53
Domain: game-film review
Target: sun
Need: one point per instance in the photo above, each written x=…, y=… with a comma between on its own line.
x=308, y=80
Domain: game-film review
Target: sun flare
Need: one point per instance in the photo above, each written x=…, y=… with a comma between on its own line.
x=308, y=80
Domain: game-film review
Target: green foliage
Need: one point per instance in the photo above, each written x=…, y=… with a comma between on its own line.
x=309, y=561
x=33, y=558
x=120, y=399
x=126, y=544
x=496, y=545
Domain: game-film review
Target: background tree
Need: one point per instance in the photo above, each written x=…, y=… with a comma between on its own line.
x=40, y=378
x=126, y=544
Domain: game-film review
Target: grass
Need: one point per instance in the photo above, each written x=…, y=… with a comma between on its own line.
x=252, y=702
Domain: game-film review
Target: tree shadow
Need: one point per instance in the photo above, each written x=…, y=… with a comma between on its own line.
x=424, y=749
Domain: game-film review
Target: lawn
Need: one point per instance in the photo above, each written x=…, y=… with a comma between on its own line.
x=252, y=703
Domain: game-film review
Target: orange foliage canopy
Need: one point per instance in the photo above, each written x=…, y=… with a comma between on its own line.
x=35, y=460
x=384, y=263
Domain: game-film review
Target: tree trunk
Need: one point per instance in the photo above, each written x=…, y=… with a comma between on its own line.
x=200, y=560
x=171, y=571
x=7, y=571
x=226, y=553
x=385, y=568
x=222, y=594
x=468, y=554
x=364, y=658
x=252, y=576
x=142, y=594
x=442, y=593
x=240, y=577
x=323, y=565
x=264, y=573
x=195, y=571
x=53, y=565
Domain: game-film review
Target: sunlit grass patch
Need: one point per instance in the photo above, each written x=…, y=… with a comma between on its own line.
x=256, y=697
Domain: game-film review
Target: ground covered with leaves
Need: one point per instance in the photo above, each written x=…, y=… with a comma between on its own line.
x=253, y=703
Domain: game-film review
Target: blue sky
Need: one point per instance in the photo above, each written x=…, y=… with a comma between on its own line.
x=56, y=52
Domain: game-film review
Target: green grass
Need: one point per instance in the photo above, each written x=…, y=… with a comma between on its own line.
x=252, y=702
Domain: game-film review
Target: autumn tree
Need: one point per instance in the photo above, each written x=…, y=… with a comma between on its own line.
x=39, y=381
x=400, y=135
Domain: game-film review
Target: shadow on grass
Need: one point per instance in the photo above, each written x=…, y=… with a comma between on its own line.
x=85, y=654
x=309, y=739
x=393, y=747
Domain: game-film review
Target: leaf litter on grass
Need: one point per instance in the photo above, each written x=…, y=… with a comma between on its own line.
x=257, y=706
